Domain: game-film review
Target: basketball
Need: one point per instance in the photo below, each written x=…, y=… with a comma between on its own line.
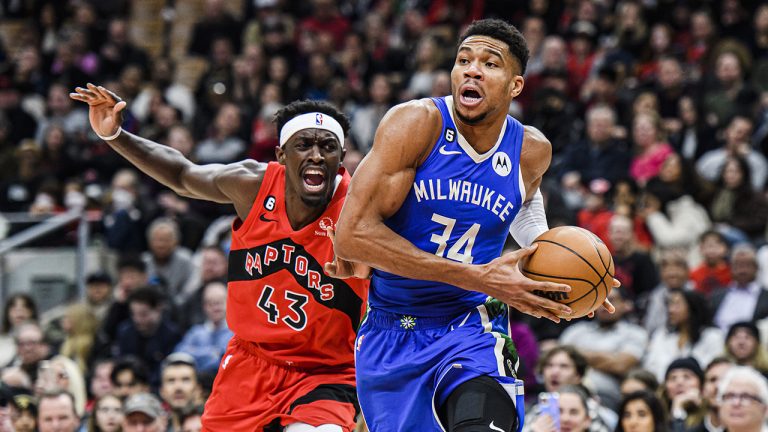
x=573, y=256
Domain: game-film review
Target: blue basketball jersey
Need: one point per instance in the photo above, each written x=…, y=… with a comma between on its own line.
x=460, y=207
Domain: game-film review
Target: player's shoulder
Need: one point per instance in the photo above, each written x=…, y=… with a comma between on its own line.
x=410, y=129
x=417, y=111
x=535, y=138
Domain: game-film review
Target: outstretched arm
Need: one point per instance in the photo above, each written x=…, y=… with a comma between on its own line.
x=378, y=189
x=234, y=183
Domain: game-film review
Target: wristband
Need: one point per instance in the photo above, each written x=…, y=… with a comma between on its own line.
x=111, y=137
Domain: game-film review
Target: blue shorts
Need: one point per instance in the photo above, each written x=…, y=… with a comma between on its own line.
x=408, y=366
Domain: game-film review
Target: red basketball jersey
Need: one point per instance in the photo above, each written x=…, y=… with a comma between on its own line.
x=279, y=298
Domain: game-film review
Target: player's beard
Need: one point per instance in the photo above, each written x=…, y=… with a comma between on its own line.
x=471, y=120
x=317, y=200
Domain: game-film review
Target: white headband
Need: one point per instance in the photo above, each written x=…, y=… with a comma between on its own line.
x=314, y=120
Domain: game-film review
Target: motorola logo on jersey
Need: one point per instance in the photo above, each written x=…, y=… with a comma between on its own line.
x=269, y=203
x=501, y=164
x=450, y=135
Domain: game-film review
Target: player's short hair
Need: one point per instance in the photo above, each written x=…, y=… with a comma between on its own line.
x=297, y=108
x=503, y=31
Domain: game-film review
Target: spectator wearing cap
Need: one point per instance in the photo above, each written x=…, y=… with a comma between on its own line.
x=743, y=347
x=144, y=413
x=56, y=412
x=179, y=386
x=611, y=344
x=24, y=412
x=743, y=397
x=744, y=299
x=129, y=376
x=207, y=342
x=681, y=392
x=149, y=334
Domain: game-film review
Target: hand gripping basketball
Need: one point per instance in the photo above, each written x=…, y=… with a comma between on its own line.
x=503, y=280
x=576, y=257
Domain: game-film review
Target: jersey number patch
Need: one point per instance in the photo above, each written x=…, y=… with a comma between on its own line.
x=296, y=318
x=466, y=241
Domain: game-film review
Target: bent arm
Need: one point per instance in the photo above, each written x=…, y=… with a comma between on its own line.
x=378, y=189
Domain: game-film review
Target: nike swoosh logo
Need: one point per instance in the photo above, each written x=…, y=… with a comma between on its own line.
x=496, y=428
x=266, y=220
x=448, y=152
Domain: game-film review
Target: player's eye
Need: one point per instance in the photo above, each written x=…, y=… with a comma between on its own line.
x=490, y=64
x=463, y=61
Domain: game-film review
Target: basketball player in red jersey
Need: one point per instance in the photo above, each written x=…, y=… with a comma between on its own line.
x=290, y=365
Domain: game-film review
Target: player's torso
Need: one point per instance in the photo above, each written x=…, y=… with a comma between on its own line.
x=279, y=296
x=460, y=207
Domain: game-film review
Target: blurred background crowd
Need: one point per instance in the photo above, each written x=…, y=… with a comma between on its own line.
x=657, y=111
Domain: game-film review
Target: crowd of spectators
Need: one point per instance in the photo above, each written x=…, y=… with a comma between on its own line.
x=657, y=111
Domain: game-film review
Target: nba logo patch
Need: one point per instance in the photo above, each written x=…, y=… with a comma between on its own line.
x=319, y=119
x=501, y=164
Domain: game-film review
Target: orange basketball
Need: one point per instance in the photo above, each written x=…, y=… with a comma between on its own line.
x=576, y=257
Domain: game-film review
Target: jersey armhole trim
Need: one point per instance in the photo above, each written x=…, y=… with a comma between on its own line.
x=266, y=185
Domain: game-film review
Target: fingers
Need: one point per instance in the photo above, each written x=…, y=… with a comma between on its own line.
x=548, y=305
x=524, y=252
x=616, y=283
x=549, y=287
x=609, y=306
x=331, y=233
x=330, y=269
x=119, y=107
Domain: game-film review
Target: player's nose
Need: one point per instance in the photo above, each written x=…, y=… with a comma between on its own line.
x=473, y=71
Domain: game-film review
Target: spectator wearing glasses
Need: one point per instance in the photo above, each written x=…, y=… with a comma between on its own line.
x=743, y=394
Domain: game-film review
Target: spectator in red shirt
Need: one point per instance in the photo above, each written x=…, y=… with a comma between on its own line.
x=714, y=272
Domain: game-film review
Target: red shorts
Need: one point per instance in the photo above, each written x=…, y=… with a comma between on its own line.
x=253, y=394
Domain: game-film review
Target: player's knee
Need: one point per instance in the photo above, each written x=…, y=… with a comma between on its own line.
x=479, y=405
x=303, y=427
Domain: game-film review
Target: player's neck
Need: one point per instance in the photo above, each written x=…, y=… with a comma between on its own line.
x=484, y=135
x=299, y=213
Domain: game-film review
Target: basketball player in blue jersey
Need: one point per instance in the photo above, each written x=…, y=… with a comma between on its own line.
x=430, y=209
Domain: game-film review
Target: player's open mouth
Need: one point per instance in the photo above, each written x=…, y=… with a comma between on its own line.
x=470, y=97
x=314, y=179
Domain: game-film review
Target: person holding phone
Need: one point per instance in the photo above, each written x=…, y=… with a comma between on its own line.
x=565, y=411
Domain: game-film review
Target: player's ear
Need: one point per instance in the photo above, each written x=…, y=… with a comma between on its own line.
x=516, y=85
x=280, y=154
